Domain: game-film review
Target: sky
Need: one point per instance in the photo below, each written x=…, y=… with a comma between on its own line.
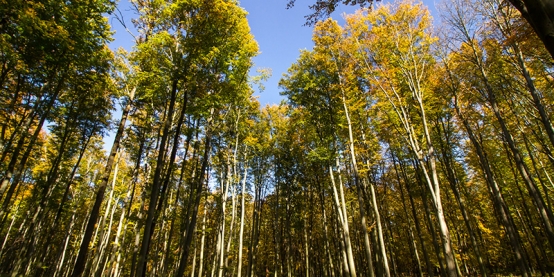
x=280, y=33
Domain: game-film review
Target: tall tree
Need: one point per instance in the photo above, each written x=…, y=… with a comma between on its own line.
x=538, y=13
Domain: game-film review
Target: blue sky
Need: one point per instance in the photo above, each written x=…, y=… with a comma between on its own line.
x=281, y=35
x=279, y=31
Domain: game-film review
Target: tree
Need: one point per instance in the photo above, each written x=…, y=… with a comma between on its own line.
x=396, y=53
x=538, y=13
x=392, y=154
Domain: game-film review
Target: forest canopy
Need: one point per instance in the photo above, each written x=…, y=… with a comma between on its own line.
x=538, y=13
x=401, y=148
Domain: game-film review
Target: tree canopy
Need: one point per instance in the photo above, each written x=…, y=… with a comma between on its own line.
x=400, y=149
x=538, y=13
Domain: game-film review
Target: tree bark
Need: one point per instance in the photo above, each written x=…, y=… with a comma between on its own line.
x=540, y=15
x=242, y=210
x=498, y=200
x=79, y=266
x=198, y=188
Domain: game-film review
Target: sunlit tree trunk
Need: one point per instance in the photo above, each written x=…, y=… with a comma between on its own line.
x=357, y=177
x=157, y=181
x=197, y=194
x=448, y=162
x=83, y=250
x=242, y=210
x=121, y=227
x=498, y=200
x=340, y=205
x=414, y=244
x=202, y=240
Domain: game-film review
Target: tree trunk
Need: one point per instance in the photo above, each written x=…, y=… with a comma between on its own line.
x=349, y=266
x=379, y=229
x=122, y=226
x=156, y=183
x=83, y=250
x=202, y=240
x=331, y=268
x=428, y=265
x=544, y=212
x=540, y=15
x=498, y=200
x=242, y=210
x=453, y=181
x=199, y=185
x=19, y=171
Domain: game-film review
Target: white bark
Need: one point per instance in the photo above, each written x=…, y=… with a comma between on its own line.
x=242, y=209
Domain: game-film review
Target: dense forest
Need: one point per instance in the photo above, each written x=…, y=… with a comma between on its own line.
x=401, y=149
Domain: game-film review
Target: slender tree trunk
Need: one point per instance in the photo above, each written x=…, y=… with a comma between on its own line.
x=202, y=240
x=193, y=263
x=357, y=176
x=430, y=223
x=9, y=230
x=163, y=182
x=199, y=185
x=83, y=250
x=435, y=193
x=221, y=237
x=136, y=246
x=414, y=245
x=115, y=262
x=543, y=210
x=242, y=210
x=232, y=225
x=255, y=229
x=45, y=193
x=306, y=250
x=379, y=229
x=104, y=251
x=22, y=131
x=156, y=183
x=428, y=265
x=19, y=172
x=216, y=253
x=453, y=180
x=537, y=243
x=66, y=244
x=535, y=95
x=70, y=181
x=100, y=228
x=331, y=268
x=343, y=219
x=498, y=200
x=168, y=257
